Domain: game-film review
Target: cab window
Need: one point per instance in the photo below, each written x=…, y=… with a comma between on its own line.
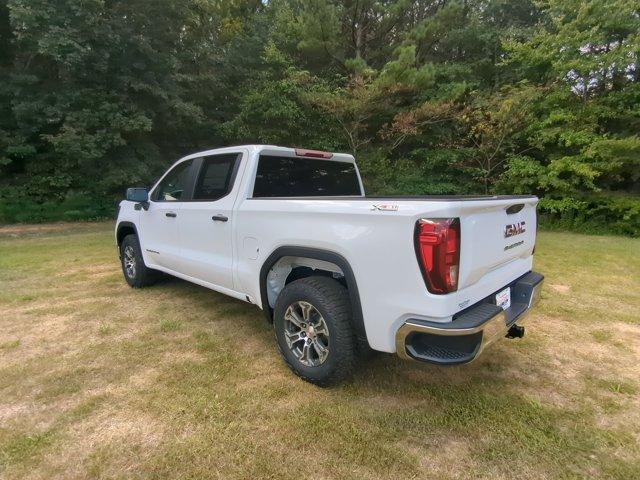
x=305, y=177
x=174, y=186
x=216, y=177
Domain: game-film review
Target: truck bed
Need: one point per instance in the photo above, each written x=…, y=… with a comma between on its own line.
x=430, y=198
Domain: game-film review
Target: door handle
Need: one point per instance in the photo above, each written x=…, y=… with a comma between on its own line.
x=219, y=218
x=171, y=214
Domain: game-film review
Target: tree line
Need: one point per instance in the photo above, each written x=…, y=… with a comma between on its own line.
x=432, y=96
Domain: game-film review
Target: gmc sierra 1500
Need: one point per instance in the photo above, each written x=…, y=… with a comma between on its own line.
x=435, y=279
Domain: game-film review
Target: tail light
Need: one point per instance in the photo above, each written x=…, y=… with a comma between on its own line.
x=438, y=248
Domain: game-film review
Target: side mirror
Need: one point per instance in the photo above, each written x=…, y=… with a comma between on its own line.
x=140, y=196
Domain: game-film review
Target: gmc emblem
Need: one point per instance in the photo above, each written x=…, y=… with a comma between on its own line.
x=513, y=229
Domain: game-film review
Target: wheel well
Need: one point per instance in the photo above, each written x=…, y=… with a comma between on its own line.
x=303, y=272
x=123, y=231
x=290, y=268
x=287, y=264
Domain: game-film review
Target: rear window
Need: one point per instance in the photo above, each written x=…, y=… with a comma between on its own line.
x=304, y=177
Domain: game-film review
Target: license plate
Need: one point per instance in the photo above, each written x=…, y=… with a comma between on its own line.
x=503, y=298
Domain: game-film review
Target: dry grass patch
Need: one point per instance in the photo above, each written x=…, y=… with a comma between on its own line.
x=98, y=380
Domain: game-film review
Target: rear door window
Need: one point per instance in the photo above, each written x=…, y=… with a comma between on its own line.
x=216, y=176
x=304, y=177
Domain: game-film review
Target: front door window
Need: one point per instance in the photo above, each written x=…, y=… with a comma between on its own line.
x=173, y=187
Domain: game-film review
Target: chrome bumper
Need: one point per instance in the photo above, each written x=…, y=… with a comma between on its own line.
x=463, y=339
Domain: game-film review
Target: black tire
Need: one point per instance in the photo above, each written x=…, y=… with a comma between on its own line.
x=141, y=275
x=331, y=300
x=364, y=351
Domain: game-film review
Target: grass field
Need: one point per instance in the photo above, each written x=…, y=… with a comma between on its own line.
x=98, y=380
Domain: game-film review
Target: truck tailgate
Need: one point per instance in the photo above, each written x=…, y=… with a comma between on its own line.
x=493, y=234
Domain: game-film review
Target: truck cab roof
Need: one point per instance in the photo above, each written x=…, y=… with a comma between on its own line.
x=276, y=150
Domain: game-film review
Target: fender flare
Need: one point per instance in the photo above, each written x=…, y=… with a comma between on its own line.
x=316, y=254
x=123, y=224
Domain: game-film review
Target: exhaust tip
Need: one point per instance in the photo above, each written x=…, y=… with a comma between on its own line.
x=516, y=331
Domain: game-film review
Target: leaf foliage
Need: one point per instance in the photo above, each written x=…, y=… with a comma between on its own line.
x=434, y=97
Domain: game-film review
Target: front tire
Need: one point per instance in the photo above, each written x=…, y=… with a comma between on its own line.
x=312, y=323
x=135, y=272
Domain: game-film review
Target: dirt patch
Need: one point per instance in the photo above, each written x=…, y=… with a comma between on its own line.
x=8, y=411
x=435, y=455
x=111, y=433
x=564, y=289
x=91, y=271
x=112, y=427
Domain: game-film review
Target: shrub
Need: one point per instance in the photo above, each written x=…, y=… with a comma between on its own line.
x=595, y=214
x=26, y=210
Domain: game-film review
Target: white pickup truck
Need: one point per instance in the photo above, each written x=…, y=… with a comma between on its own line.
x=435, y=279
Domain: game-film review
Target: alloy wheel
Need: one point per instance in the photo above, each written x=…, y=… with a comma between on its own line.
x=129, y=261
x=306, y=334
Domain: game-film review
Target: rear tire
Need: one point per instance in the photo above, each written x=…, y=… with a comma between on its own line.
x=364, y=351
x=312, y=323
x=135, y=272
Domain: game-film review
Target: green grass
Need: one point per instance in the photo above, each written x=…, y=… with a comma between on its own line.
x=20, y=448
x=99, y=380
x=169, y=325
x=105, y=329
x=8, y=345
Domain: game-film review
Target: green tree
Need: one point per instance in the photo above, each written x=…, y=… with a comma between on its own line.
x=434, y=96
x=584, y=149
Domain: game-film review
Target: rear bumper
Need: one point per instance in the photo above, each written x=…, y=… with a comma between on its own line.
x=472, y=330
